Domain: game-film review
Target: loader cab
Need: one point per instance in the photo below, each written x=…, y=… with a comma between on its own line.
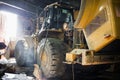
x=54, y=16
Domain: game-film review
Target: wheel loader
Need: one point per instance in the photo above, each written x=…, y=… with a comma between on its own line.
x=47, y=47
x=96, y=34
x=92, y=41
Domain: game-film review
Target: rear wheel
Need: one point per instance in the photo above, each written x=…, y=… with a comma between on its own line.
x=50, y=57
x=24, y=52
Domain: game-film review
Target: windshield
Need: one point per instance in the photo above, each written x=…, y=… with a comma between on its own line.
x=61, y=16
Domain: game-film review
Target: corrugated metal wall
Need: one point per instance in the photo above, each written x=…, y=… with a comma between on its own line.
x=2, y=27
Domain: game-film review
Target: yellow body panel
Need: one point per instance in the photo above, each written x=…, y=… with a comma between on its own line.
x=70, y=57
x=108, y=26
x=116, y=18
x=88, y=13
x=76, y=14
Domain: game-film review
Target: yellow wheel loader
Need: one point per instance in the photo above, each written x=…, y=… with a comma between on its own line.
x=96, y=39
x=47, y=47
x=93, y=42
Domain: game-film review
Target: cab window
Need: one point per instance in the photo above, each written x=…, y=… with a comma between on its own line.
x=99, y=20
x=117, y=10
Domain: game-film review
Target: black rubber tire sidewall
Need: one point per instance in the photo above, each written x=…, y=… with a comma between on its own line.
x=55, y=51
x=24, y=57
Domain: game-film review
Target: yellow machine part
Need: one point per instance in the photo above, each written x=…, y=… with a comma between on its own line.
x=76, y=14
x=70, y=57
x=100, y=21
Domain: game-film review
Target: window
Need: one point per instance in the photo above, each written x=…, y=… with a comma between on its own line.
x=10, y=24
x=117, y=10
x=99, y=20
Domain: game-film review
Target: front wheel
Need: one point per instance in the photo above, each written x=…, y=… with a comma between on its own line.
x=50, y=57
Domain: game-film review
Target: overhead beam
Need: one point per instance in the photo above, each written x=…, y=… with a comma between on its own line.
x=19, y=5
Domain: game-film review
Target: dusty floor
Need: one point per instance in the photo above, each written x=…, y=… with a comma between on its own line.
x=99, y=76
x=106, y=75
x=78, y=76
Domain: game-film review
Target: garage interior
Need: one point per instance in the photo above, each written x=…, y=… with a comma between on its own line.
x=34, y=46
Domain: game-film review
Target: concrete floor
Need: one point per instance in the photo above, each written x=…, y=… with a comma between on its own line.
x=99, y=76
x=106, y=75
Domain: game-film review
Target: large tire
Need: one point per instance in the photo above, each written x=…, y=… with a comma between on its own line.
x=24, y=52
x=50, y=57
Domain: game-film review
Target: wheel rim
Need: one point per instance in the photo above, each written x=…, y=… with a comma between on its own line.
x=43, y=59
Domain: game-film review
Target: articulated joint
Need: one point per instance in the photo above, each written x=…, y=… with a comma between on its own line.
x=81, y=56
x=89, y=57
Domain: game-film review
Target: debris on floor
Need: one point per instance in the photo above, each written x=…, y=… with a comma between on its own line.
x=6, y=65
x=10, y=71
x=3, y=60
x=21, y=76
x=37, y=72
